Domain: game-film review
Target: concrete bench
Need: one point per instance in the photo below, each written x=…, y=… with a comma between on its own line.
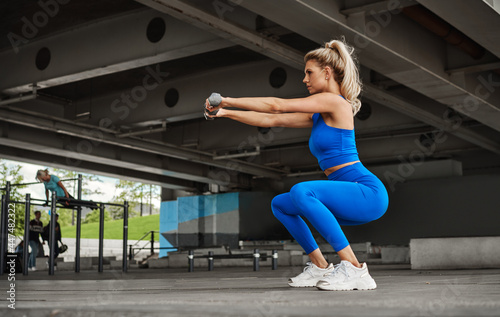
x=455, y=253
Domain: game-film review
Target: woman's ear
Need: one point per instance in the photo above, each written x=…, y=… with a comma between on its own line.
x=328, y=72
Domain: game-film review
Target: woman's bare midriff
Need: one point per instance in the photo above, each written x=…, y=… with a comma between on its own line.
x=332, y=169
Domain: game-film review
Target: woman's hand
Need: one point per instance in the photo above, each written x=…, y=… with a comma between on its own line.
x=214, y=114
x=214, y=102
x=213, y=105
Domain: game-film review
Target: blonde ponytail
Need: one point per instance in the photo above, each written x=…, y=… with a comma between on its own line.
x=340, y=58
x=40, y=174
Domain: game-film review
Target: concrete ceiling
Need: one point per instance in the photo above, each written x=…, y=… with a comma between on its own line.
x=116, y=87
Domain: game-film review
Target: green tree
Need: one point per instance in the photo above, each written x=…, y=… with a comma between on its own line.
x=72, y=186
x=139, y=196
x=12, y=173
x=94, y=216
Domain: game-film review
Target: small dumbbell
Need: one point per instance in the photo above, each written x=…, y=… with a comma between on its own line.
x=214, y=100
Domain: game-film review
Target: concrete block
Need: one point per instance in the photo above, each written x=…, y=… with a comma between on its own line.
x=361, y=247
x=65, y=266
x=284, y=258
x=105, y=259
x=455, y=253
x=105, y=267
x=263, y=244
x=176, y=260
x=292, y=247
x=204, y=251
x=118, y=264
x=159, y=263
x=395, y=254
x=296, y=258
x=85, y=263
x=237, y=262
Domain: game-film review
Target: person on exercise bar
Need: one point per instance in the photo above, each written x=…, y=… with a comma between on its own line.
x=53, y=183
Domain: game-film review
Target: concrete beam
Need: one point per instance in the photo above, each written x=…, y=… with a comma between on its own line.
x=434, y=115
x=145, y=106
x=22, y=154
x=218, y=26
x=104, y=47
x=377, y=7
x=481, y=24
x=95, y=137
x=387, y=45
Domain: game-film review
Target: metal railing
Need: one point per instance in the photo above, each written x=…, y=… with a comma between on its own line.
x=149, y=245
x=133, y=248
x=6, y=202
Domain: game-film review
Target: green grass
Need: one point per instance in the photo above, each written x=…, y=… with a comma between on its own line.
x=137, y=227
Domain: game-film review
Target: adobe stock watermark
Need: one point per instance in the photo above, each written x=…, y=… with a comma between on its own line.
x=452, y=121
x=223, y=6
x=11, y=256
x=40, y=19
x=447, y=298
x=373, y=28
x=231, y=167
x=123, y=106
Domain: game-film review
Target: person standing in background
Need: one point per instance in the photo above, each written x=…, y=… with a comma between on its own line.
x=36, y=228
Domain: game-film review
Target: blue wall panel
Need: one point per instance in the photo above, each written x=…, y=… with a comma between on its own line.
x=185, y=210
x=169, y=221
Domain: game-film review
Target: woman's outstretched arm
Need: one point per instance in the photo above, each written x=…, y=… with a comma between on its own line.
x=317, y=103
x=268, y=120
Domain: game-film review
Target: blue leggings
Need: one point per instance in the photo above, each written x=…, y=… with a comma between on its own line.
x=351, y=196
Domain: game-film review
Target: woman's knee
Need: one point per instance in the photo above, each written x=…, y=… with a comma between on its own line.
x=300, y=192
x=277, y=205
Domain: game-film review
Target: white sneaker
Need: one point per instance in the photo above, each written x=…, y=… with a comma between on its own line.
x=310, y=276
x=347, y=277
x=32, y=269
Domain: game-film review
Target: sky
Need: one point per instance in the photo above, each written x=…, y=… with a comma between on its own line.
x=107, y=184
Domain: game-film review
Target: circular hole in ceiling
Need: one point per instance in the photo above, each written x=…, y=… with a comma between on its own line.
x=171, y=97
x=156, y=30
x=364, y=112
x=277, y=78
x=42, y=58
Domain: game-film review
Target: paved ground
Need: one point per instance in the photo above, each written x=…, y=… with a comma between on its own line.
x=242, y=292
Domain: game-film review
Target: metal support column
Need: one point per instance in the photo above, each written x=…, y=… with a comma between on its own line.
x=3, y=228
x=78, y=225
x=125, y=236
x=26, y=238
x=101, y=237
x=275, y=260
x=210, y=260
x=256, y=258
x=152, y=242
x=190, y=261
x=52, y=234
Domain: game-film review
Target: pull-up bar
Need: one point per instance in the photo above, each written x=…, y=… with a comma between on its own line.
x=33, y=183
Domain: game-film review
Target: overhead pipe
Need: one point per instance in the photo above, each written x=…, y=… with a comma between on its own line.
x=144, y=131
x=244, y=154
x=150, y=146
x=17, y=99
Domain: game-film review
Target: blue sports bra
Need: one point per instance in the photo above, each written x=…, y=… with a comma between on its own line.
x=331, y=146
